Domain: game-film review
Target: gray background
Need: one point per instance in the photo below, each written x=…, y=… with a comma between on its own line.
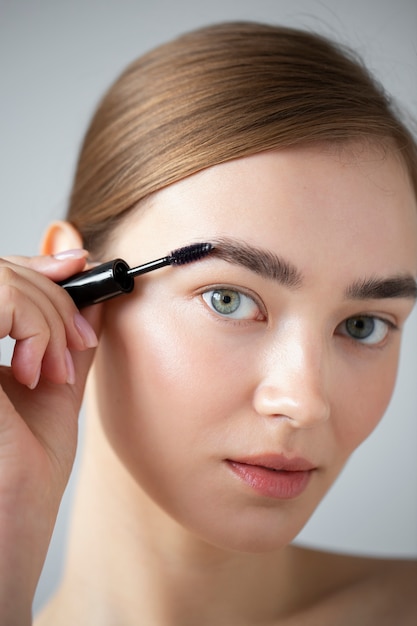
x=57, y=57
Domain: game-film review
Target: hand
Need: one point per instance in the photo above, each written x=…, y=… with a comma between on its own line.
x=40, y=398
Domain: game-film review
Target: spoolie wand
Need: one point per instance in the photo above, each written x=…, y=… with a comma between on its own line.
x=114, y=278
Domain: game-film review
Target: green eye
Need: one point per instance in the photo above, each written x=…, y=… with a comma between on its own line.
x=225, y=301
x=366, y=329
x=232, y=304
x=360, y=327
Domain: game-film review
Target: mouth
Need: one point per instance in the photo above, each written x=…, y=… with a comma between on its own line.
x=273, y=476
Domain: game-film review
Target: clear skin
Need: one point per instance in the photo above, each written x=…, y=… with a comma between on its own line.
x=178, y=389
x=196, y=389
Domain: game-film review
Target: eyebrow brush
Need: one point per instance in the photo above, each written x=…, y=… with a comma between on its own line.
x=115, y=277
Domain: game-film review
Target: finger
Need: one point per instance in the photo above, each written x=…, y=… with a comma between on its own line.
x=83, y=360
x=52, y=300
x=56, y=267
x=24, y=321
x=40, y=329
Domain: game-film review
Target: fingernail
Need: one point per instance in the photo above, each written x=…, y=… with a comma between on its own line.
x=35, y=381
x=70, y=367
x=86, y=331
x=77, y=253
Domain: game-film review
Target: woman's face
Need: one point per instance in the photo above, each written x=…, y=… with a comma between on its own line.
x=233, y=394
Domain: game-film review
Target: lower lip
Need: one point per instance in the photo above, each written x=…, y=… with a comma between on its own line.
x=281, y=484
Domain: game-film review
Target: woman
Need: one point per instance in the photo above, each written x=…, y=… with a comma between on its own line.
x=226, y=395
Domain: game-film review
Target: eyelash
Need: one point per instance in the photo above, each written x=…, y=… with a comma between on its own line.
x=254, y=311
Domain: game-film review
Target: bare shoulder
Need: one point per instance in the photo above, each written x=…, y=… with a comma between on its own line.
x=348, y=589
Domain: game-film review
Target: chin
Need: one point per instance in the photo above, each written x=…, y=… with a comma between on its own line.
x=252, y=536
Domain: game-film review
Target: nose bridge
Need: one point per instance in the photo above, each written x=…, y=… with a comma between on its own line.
x=294, y=380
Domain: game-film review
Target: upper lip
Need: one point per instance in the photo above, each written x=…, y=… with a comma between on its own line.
x=277, y=462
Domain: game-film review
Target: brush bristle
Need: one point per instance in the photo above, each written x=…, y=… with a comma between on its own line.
x=188, y=254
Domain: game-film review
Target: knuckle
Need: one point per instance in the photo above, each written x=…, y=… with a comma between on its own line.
x=7, y=275
x=8, y=292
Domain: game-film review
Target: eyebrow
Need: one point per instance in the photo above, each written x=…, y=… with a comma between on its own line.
x=271, y=266
x=263, y=262
x=401, y=286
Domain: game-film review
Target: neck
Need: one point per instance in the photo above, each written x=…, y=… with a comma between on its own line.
x=127, y=558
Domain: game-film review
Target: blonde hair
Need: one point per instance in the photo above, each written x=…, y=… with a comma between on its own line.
x=216, y=94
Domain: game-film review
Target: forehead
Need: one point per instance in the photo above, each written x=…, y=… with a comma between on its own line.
x=314, y=205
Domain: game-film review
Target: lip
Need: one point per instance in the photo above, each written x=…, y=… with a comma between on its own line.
x=274, y=476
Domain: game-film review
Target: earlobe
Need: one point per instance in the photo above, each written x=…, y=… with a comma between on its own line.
x=60, y=236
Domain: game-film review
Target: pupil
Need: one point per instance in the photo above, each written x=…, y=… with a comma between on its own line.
x=361, y=327
x=225, y=302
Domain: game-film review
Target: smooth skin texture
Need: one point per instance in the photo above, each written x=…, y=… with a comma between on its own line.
x=38, y=418
x=164, y=532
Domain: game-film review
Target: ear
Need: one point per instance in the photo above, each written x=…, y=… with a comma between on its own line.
x=60, y=236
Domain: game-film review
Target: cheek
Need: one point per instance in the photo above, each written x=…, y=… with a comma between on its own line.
x=166, y=404
x=364, y=394
x=169, y=411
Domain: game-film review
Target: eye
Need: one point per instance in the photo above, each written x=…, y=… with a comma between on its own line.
x=366, y=329
x=232, y=304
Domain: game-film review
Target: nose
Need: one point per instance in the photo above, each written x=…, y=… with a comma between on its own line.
x=294, y=381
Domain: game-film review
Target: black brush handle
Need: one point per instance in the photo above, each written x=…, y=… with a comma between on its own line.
x=100, y=283
x=116, y=277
